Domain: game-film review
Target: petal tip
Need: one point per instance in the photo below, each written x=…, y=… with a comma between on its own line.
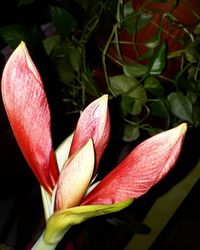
x=104, y=98
x=22, y=46
x=183, y=128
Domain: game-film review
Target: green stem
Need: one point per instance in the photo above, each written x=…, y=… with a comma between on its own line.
x=41, y=245
x=53, y=238
x=104, y=59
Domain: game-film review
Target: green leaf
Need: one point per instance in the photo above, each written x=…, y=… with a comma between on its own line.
x=197, y=29
x=130, y=25
x=14, y=34
x=180, y=106
x=192, y=96
x=64, y=22
x=65, y=71
x=120, y=84
x=135, y=70
x=132, y=21
x=130, y=88
x=131, y=132
x=128, y=8
x=50, y=43
x=153, y=86
x=127, y=105
x=147, y=55
x=158, y=61
x=154, y=41
x=75, y=58
x=160, y=108
x=68, y=55
x=192, y=72
x=144, y=19
x=62, y=220
x=192, y=51
x=63, y=49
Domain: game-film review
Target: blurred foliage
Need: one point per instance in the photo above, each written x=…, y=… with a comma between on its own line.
x=145, y=53
x=156, y=48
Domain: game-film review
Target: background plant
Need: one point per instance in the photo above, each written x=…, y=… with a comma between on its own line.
x=154, y=46
x=143, y=52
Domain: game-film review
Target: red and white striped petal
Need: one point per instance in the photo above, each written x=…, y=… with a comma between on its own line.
x=146, y=165
x=94, y=123
x=29, y=116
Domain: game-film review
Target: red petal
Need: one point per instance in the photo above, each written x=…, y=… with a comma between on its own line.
x=147, y=164
x=28, y=112
x=93, y=123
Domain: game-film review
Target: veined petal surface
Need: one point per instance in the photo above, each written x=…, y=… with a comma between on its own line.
x=94, y=123
x=75, y=177
x=146, y=165
x=29, y=116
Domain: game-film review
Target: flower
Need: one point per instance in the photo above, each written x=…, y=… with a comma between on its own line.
x=28, y=112
x=146, y=165
x=68, y=176
x=29, y=116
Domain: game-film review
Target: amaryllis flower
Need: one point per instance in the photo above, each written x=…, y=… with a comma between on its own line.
x=146, y=165
x=29, y=116
x=66, y=177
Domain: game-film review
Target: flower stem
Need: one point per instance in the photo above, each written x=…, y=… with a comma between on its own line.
x=41, y=245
